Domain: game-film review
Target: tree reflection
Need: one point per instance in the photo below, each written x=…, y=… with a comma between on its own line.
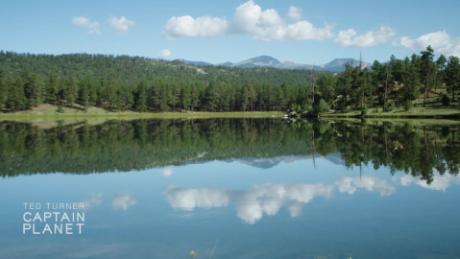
x=419, y=151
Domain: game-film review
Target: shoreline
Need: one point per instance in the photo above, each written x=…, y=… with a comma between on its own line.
x=31, y=115
x=99, y=114
x=415, y=113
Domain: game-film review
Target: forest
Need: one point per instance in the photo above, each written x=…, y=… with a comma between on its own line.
x=419, y=80
x=124, y=83
x=120, y=83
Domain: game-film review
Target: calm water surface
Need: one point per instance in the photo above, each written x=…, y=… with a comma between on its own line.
x=235, y=189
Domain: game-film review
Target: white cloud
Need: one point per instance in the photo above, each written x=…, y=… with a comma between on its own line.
x=87, y=23
x=251, y=19
x=203, y=26
x=121, y=23
x=440, y=41
x=269, y=25
x=304, y=30
x=350, y=38
x=123, y=201
x=294, y=13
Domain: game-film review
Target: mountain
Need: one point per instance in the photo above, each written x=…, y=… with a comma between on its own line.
x=293, y=65
x=226, y=64
x=194, y=63
x=336, y=65
x=260, y=61
x=268, y=61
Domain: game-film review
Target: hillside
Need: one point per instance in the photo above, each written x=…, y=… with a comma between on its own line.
x=119, y=83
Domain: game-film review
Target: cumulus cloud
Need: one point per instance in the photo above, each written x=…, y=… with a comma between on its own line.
x=87, y=23
x=188, y=26
x=251, y=19
x=123, y=201
x=268, y=199
x=269, y=25
x=121, y=23
x=294, y=13
x=351, y=38
x=440, y=41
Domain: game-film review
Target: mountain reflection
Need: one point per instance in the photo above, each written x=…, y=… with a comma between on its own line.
x=420, y=151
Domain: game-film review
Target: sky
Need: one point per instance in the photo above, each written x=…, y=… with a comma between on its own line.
x=311, y=32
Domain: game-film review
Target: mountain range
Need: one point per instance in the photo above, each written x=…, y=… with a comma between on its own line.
x=336, y=65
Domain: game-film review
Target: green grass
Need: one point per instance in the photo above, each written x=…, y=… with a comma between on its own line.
x=417, y=112
x=50, y=113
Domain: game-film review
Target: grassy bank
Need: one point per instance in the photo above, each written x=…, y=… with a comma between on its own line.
x=418, y=112
x=50, y=112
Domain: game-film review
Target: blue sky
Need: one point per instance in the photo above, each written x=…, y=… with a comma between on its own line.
x=311, y=32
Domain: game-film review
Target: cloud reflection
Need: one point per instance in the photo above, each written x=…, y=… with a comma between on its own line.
x=189, y=199
x=267, y=199
x=94, y=200
x=439, y=183
x=123, y=201
x=166, y=171
x=351, y=184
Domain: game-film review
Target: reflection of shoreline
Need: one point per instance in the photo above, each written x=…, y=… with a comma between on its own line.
x=268, y=199
x=263, y=143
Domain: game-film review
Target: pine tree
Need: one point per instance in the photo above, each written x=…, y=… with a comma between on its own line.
x=453, y=76
x=16, y=99
x=32, y=90
x=3, y=92
x=51, y=90
x=140, y=97
x=185, y=98
x=427, y=71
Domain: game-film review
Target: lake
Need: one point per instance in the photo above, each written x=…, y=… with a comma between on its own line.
x=230, y=188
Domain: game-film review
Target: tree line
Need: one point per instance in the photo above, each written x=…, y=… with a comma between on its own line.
x=419, y=80
x=121, y=83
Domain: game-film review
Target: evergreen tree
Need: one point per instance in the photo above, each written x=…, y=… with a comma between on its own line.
x=427, y=70
x=211, y=98
x=453, y=77
x=140, y=98
x=3, y=91
x=16, y=100
x=32, y=90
